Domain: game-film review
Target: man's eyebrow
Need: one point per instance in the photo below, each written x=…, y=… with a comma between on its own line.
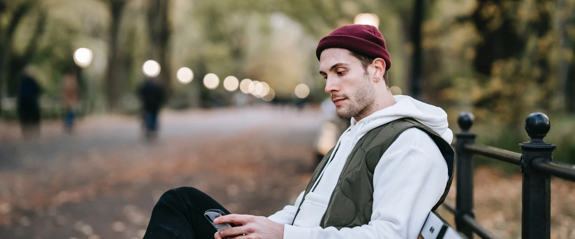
x=335, y=66
x=338, y=65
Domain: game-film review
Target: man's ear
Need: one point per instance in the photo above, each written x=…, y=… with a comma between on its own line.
x=379, y=66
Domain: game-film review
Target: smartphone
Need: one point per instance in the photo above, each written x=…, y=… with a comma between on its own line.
x=212, y=214
x=437, y=228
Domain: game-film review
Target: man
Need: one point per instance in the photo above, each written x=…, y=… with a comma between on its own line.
x=389, y=169
x=28, y=106
x=152, y=95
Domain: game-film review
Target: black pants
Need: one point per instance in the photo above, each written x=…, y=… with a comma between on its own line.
x=180, y=214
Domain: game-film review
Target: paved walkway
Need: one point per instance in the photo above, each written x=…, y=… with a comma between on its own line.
x=102, y=181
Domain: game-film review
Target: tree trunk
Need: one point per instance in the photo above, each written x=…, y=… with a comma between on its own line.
x=3, y=68
x=2, y=56
x=17, y=63
x=159, y=33
x=570, y=87
x=113, y=73
x=416, y=66
x=6, y=37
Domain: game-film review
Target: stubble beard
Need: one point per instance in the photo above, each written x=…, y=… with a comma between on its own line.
x=360, y=102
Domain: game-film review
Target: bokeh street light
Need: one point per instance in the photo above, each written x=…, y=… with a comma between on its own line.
x=270, y=95
x=258, y=89
x=211, y=81
x=301, y=91
x=252, y=86
x=395, y=90
x=151, y=68
x=244, y=86
x=231, y=83
x=367, y=19
x=266, y=89
x=83, y=57
x=185, y=75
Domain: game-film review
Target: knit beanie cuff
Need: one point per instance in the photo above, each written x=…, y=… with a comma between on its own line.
x=362, y=39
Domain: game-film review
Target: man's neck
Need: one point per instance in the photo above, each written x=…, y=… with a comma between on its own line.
x=385, y=100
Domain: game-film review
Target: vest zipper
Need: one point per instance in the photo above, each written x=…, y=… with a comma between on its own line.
x=332, y=156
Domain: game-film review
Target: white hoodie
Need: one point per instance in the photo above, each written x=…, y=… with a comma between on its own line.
x=408, y=180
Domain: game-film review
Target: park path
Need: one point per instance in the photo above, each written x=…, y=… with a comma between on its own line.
x=102, y=181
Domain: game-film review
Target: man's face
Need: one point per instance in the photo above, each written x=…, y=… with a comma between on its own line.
x=348, y=83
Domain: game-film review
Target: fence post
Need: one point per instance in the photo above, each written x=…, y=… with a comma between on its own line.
x=535, y=219
x=464, y=197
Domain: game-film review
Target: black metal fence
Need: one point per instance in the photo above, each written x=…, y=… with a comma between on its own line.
x=536, y=163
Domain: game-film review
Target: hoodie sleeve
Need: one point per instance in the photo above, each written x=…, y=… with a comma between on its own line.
x=408, y=181
x=286, y=215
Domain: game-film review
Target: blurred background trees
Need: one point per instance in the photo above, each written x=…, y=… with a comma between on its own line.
x=114, y=74
x=23, y=23
x=500, y=59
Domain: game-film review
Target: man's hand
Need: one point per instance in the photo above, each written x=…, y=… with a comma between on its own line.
x=249, y=227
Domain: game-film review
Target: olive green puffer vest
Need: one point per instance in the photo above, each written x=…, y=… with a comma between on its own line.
x=351, y=202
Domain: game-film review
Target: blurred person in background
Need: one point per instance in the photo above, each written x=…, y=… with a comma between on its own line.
x=152, y=95
x=27, y=104
x=299, y=103
x=70, y=98
x=240, y=99
x=388, y=170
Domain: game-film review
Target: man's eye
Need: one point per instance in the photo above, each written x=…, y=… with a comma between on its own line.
x=340, y=73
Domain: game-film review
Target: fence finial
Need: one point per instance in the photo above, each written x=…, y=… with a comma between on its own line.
x=537, y=126
x=465, y=121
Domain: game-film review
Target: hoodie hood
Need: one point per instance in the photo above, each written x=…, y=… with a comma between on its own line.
x=406, y=107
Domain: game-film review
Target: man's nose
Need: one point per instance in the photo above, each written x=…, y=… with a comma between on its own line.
x=331, y=86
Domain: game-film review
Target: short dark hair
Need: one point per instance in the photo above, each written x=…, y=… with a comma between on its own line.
x=365, y=61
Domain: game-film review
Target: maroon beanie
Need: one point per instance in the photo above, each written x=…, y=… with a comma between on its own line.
x=363, y=39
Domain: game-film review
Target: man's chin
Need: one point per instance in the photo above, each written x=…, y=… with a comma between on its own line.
x=344, y=114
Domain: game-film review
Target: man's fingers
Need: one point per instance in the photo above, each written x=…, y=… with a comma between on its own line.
x=237, y=231
x=250, y=227
x=217, y=236
x=235, y=219
x=243, y=237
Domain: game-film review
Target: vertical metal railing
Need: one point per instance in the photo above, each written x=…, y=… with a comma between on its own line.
x=536, y=217
x=537, y=166
x=464, y=174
